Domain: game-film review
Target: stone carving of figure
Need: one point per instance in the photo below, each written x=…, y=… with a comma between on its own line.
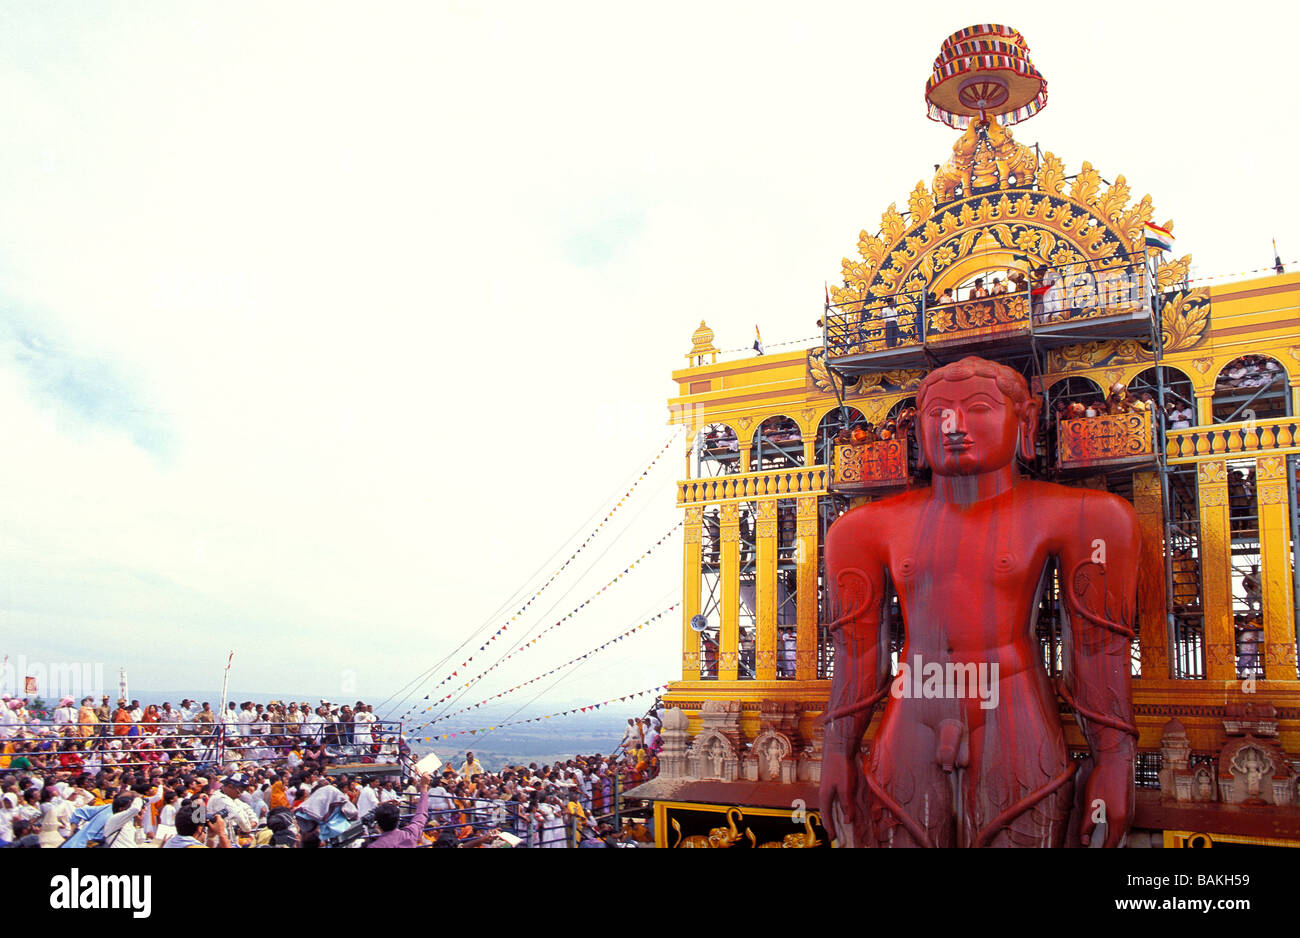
x=717, y=753
x=774, y=758
x=959, y=759
x=1251, y=765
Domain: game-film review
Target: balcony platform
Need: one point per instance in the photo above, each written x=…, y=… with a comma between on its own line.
x=1108, y=440
x=876, y=467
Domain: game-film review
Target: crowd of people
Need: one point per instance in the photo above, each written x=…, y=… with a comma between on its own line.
x=286, y=776
x=1118, y=400
x=92, y=737
x=1248, y=372
x=868, y=432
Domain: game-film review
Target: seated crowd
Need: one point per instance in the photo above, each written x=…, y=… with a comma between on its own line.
x=178, y=783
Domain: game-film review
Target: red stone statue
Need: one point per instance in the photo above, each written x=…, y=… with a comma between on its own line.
x=970, y=751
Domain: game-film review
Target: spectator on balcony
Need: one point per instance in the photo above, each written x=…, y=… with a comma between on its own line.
x=946, y=296
x=998, y=288
x=1250, y=584
x=978, y=292
x=786, y=657
x=890, y=316
x=710, y=656
x=1053, y=295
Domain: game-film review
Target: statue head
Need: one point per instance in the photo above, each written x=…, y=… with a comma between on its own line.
x=974, y=415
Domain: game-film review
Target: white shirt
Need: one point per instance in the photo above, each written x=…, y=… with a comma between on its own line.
x=367, y=801
x=321, y=803
x=236, y=811
x=118, y=829
x=362, y=723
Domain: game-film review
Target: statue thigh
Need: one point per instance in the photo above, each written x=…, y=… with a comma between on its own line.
x=904, y=789
x=1018, y=795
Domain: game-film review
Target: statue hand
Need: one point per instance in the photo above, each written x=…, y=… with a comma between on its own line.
x=1109, y=789
x=839, y=786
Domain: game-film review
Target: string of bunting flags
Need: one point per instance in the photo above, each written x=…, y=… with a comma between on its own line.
x=559, y=667
x=561, y=568
x=1241, y=273
x=548, y=716
x=750, y=348
x=533, y=641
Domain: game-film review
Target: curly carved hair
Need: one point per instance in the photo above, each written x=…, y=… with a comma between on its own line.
x=1010, y=382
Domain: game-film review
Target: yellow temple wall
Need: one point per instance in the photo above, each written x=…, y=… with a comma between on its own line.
x=1259, y=316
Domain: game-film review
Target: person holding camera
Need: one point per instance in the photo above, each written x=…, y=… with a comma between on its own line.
x=194, y=826
x=227, y=803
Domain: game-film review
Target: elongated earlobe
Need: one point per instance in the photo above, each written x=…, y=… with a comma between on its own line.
x=1028, y=430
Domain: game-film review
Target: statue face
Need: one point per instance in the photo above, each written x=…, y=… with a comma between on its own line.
x=968, y=427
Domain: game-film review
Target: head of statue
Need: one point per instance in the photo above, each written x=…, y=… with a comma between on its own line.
x=974, y=416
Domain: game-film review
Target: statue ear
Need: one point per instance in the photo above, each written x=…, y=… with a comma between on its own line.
x=1029, y=428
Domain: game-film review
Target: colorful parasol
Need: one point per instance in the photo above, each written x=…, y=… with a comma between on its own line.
x=984, y=71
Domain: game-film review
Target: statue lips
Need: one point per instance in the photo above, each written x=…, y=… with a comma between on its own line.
x=957, y=442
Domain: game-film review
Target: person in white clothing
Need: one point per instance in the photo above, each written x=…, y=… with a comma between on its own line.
x=56, y=815
x=8, y=720
x=246, y=719
x=119, y=829
x=230, y=722
x=66, y=712
x=361, y=721
x=368, y=797
x=237, y=813
x=166, y=819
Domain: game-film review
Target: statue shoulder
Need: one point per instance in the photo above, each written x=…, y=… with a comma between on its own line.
x=868, y=522
x=1105, y=513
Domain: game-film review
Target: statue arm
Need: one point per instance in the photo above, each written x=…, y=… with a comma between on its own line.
x=1099, y=588
x=855, y=579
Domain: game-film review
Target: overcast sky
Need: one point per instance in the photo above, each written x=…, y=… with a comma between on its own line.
x=322, y=326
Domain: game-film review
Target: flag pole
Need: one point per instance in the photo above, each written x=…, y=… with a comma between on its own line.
x=221, y=714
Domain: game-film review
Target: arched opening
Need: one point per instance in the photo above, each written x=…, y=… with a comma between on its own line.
x=1071, y=398
x=1075, y=397
x=778, y=444
x=891, y=419
x=717, y=451
x=1180, y=403
x=1252, y=387
x=839, y=420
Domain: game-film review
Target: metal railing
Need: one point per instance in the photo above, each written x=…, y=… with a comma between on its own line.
x=1048, y=298
x=78, y=745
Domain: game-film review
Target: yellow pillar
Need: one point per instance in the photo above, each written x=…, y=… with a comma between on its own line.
x=1205, y=408
x=1216, y=572
x=809, y=450
x=1153, y=627
x=692, y=558
x=765, y=532
x=805, y=660
x=1275, y=568
x=729, y=657
x=746, y=456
